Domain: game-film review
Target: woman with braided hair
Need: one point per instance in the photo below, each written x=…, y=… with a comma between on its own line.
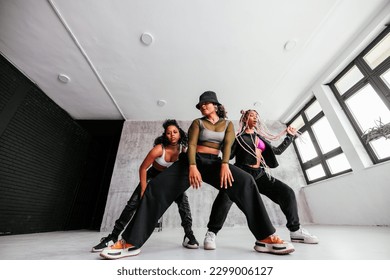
x=255, y=155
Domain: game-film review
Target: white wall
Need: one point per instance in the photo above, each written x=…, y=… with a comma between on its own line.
x=363, y=196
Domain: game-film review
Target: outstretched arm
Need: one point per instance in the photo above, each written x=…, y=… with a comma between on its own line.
x=291, y=132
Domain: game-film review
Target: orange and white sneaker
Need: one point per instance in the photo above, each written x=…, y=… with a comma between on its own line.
x=273, y=244
x=120, y=249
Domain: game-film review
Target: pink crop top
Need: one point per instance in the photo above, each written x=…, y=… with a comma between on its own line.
x=261, y=145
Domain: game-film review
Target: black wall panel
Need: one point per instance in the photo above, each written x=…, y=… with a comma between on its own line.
x=43, y=156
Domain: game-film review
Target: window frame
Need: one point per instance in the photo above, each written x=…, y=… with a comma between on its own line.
x=321, y=157
x=371, y=77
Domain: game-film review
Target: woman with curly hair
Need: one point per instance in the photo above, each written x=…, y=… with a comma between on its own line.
x=165, y=152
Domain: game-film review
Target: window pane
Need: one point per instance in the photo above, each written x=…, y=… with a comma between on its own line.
x=325, y=136
x=298, y=123
x=306, y=147
x=386, y=78
x=348, y=80
x=313, y=110
x=367, y=108
x=338, y=164
x=315, y=172
x=379, y=53
x=381, y=147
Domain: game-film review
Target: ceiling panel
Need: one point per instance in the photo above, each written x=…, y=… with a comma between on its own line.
x=235, y=48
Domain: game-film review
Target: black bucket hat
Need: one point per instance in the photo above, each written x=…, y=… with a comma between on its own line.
x=208, y=96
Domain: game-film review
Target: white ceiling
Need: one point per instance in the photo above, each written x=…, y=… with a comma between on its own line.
x=235, y=48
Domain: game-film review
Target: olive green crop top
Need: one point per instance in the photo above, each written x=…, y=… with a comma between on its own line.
x=204, y=133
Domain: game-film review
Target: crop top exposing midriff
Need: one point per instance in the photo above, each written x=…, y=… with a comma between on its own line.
x=248, y=142
x=161, y=160
x=207, y=135
x=218, y=136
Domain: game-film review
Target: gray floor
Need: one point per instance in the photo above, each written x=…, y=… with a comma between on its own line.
x=336, y=243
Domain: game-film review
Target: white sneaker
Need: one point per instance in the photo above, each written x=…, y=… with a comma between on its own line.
x=303, y=236
x=209, y=241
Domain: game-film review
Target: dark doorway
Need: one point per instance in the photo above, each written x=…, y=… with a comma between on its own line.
x=90, y=200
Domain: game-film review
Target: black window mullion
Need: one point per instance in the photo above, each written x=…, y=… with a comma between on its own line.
x=312, y=136
x=333, y=153
x=302, y=130
x=381, y=88
x=316, y=145
x=363, y=66
x=311, y=163
x=373, y=78
x=355, y=88
x=316, y=118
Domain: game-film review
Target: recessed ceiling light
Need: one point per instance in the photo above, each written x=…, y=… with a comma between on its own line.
x=63, y=78
x=161, y=103
x=147, y=38
x=257, y=103
x=290, y=45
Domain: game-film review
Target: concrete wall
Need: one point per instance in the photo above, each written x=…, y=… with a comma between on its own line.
x=137, y=139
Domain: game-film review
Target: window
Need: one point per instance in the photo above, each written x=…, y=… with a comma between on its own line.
x=318, y=149
x=363, y=91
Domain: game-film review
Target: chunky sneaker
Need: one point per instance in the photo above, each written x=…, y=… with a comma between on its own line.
x=190, y=241
x=303, y=236
x=120, y=249
x=209, y=241
x=274, y=245
x=104, y=243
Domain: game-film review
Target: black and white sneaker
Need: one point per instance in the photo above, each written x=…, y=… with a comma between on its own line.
x=190, y=241
x=303, y=236
x=105, y=242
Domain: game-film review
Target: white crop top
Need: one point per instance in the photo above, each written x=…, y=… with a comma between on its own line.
x=161, y=160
